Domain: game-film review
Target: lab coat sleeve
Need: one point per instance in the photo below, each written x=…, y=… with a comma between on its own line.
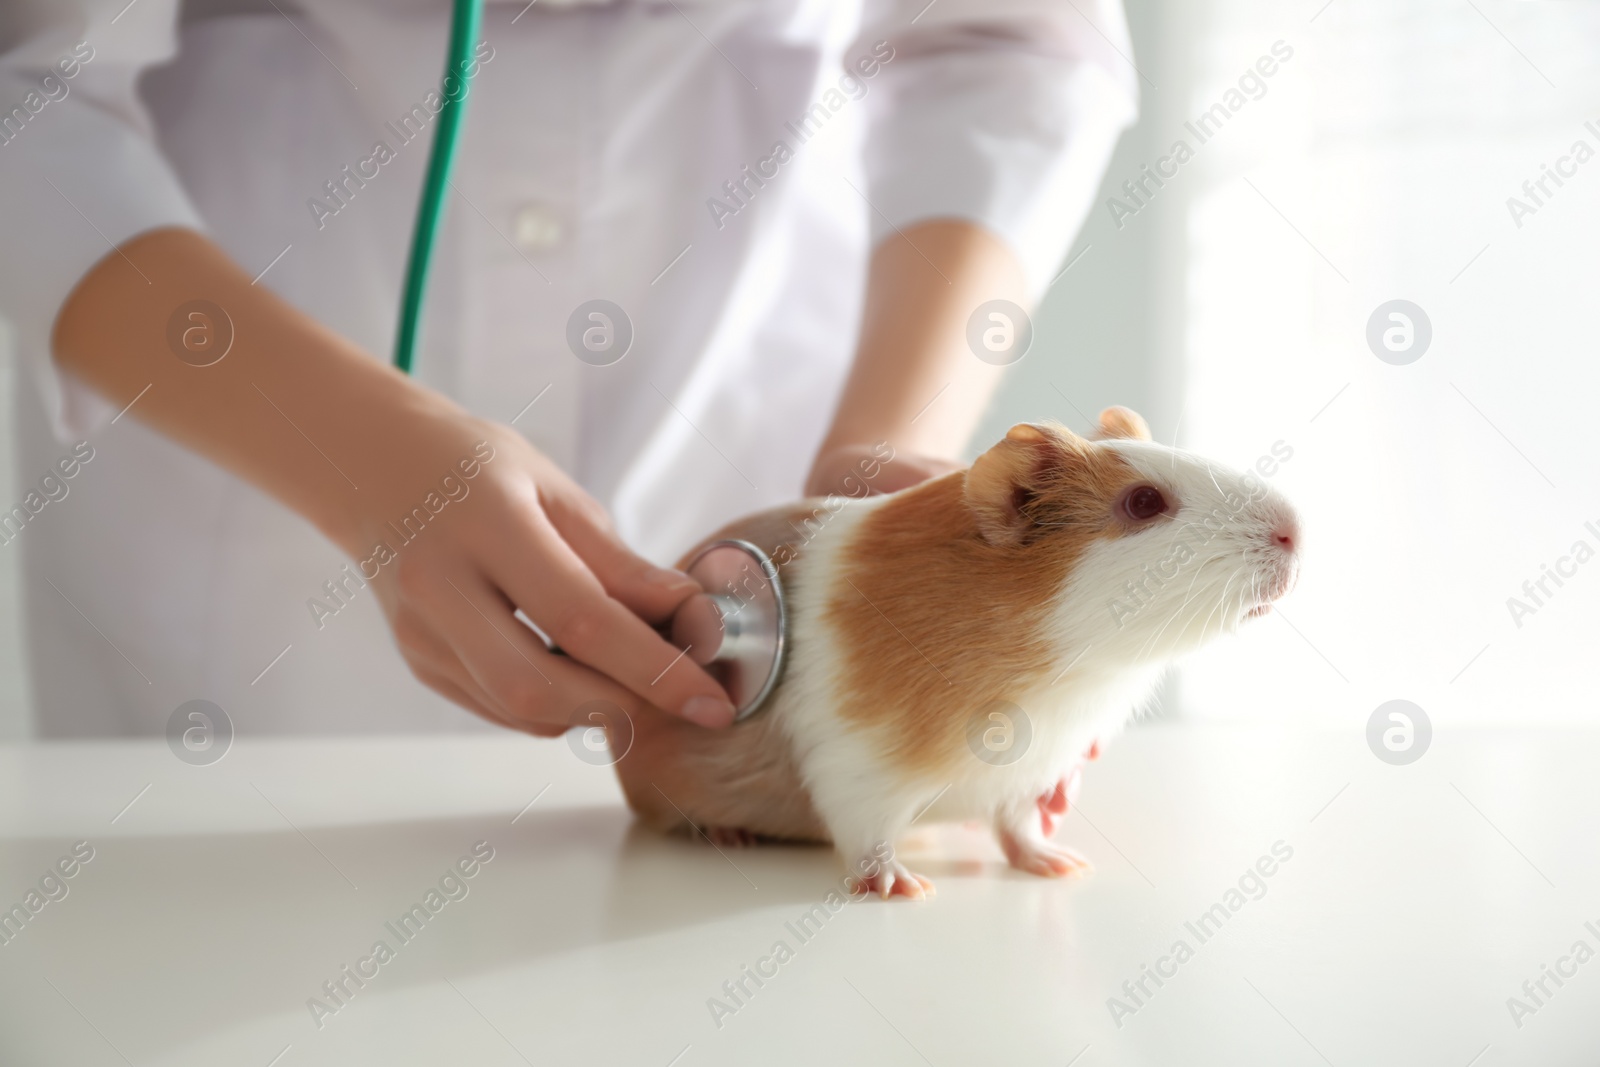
x=80, y=172
x=1000, y=112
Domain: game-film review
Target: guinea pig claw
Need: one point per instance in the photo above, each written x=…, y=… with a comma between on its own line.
x=729, y=836
x=895, y=880
x=1042, y=857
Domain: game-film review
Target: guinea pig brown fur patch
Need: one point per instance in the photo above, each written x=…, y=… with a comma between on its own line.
x=982, y=555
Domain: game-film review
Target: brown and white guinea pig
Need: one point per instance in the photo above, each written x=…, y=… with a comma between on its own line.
x=957, y=646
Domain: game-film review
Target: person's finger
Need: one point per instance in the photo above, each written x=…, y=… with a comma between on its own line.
x=538, y=691
x=566, y=601
x=506, y=660
x=459, y=687
x=447, y=688
x=653, y=593
x=437, y=667
x=426, y=651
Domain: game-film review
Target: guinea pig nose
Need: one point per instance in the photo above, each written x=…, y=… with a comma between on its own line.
x=1285, y=533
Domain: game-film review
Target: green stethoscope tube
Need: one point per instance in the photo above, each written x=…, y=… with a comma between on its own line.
x=466, y=21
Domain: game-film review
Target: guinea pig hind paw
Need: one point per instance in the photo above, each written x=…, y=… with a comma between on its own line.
x=895, y=880
x=729, y=836
x=1042, y=858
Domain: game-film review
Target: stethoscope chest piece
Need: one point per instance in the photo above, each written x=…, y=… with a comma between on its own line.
x=737, y=628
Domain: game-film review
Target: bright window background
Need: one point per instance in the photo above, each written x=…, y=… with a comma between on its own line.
x=1430, y=492
x=1233, y=308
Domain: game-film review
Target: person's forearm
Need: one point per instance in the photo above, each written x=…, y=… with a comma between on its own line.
x=915, y=383
x=356, y=447
x=292, y=407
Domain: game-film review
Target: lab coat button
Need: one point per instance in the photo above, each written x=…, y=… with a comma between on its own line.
x=535, y=228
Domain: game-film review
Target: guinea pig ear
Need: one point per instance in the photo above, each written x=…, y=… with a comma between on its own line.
x=1122, y=422
x=1005, y=479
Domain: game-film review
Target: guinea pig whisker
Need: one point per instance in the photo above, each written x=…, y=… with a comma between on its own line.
x=1205, y=623
x=1189, y=598
x=1222, y=603
x=1247, y=592
x=1172, y=616
x=1183, y=528
x=1200, y=571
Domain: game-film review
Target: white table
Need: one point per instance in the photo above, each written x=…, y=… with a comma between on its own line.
x=1417, y=900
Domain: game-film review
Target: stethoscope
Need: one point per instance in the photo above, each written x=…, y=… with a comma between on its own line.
x=466, y=20
x=738, y=629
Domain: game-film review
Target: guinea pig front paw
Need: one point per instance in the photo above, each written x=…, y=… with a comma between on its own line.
x=894, y=879
x=1026, y=852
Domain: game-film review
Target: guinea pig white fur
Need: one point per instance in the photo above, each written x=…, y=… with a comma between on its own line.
x=957, y=646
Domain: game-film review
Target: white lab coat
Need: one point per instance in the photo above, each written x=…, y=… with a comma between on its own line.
x=599, y=138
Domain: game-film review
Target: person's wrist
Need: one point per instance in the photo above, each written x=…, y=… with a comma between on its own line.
x=846, y=469
x=407, y=447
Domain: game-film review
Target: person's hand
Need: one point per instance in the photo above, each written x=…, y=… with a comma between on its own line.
x=866, y=470
x=521, y=535
x=456, y=522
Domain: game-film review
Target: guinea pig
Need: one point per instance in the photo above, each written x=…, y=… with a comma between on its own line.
x=956, y=646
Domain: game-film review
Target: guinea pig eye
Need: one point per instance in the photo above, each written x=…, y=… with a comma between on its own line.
x=1145, y=502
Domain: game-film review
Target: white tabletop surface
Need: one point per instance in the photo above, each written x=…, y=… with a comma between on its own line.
x=1417, y=900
